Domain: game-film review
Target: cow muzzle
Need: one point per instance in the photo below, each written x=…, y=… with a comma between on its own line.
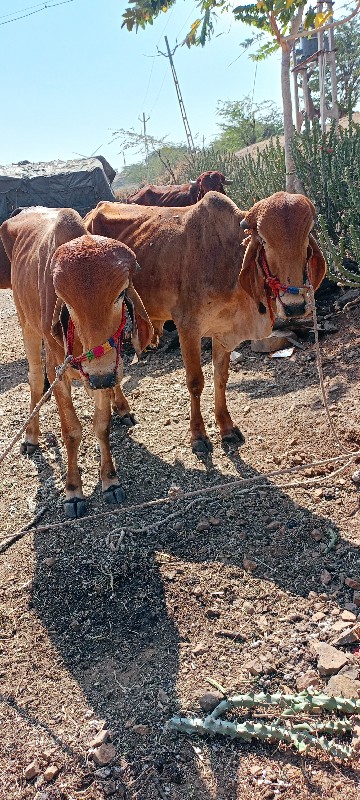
x=294, y=309
x=107, y=381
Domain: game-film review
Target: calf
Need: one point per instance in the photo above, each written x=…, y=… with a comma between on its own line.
x=69, y=289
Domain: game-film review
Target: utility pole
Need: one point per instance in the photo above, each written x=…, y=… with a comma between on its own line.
x=144, y=121
x=189, y=137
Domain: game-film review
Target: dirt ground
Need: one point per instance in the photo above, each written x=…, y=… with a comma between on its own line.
x=100, y=630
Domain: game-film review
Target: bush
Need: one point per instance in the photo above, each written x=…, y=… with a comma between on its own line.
x=328, y=165
x=254, y=176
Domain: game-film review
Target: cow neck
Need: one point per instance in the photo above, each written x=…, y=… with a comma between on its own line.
x=115, y=341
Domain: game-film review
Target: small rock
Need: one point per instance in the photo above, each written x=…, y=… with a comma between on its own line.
x=103, y=773
x=325, y=577
x=356, y=476
x=316, y=534
x=249, y=565
x=203, y=525
x=100, y=738
x=32, y=770
x=356, y=599
x=163, y=697
x=141, y=730
x=104, y=754
x=309, y=678
x=339, y=626
x=49, y=562
x=254, y=667
x=109, y=788
x=356, y=734
x=256, y=771
x=318, y=616
x=348, y=616
x=167, y=422
x=350, y=636
x=210, y=700
x=200, y=649
x=51, y=772
x=343, y=686
x=353, y=583
x=215, y=521
x=277, y=460
x=273, y=526
x=330, y=660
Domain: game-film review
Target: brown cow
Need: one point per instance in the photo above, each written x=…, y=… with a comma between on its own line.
x=197, y=270
x=186, y=194
x=69, y=289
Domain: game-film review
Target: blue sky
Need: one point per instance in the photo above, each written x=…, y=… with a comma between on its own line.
x=71, y=76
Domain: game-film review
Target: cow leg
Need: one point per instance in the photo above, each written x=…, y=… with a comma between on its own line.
x=190, y=344
x=33, y=346
x=113, y=492
x=221, y=359
x=75, y=504
x=122, y=408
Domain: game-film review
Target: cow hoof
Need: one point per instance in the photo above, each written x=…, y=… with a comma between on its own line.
x=128, y=420
x=234, y=437
x=28, y=449
x=202, y=446
x=114, y=495
x=75, y=508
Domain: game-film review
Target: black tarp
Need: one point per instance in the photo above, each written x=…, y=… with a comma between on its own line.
x=79, y=184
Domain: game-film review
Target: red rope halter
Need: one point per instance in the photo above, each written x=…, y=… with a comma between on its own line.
x=97, y=352
x=274, y=287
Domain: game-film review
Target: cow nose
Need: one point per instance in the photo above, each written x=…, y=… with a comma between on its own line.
x=106, y=381
x=295, y=309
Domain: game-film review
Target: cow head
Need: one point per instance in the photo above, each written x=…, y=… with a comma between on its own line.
x=210, y=182
x=279, y=237
x=91, y=275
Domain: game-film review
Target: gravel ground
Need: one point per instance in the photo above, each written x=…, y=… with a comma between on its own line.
x=106, y=630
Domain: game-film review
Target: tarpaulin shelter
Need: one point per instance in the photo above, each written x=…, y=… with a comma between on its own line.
x=78, y=184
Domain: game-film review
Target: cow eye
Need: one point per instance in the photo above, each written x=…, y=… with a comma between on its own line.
x=120, y=296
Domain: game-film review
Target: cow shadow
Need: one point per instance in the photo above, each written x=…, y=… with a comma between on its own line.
x=13, y=374
x=125, y=602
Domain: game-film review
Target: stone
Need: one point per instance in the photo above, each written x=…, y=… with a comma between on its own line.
x=49, y=562
x=273, y=526
x=163, y=697
x=209, y=700
x=109, y=788
x=356, y=599
x=104, y=754
x=349, y=636
x=141, y=730
x=356, y=476
x=330, y=660
x=343, y=686
x=316, y=534
x=348, y=616
x=200, y=649
x=51, y=772
x=325, y=577
x=215, y=521
x=339, y=626
x=318, y=616
x=249, y=566
x=100, y=738
x=254, y=667
x=353, y=583
x=309, y=678
x=32, y=770
x=203, y=525
x=103, y=773
x=356, y=734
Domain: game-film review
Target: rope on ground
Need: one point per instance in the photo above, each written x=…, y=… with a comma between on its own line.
x=59, y=373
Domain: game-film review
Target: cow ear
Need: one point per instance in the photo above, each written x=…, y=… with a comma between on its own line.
x=143, y=330
x=251, y=277
x=56, y=331
x=316, y=263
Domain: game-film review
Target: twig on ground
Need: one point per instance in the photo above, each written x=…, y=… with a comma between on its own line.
x=6, y=543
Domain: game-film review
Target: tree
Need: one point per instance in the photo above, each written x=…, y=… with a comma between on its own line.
x=278, y=20
x=347, y=43
x=160, y=165
x=245, y=123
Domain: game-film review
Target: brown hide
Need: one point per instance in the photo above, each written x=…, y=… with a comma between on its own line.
x=191, y=272
x=182, y=195
x=57, y=265
x=5, y=269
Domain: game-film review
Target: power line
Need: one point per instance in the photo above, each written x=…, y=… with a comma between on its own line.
x=44, y=7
